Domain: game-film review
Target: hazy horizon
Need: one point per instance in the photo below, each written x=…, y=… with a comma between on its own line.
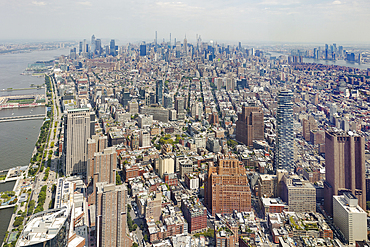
x=250, y=21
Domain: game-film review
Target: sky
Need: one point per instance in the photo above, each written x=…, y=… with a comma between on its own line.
x=268, y=21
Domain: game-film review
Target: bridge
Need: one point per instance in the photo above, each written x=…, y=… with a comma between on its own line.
x=20, y=118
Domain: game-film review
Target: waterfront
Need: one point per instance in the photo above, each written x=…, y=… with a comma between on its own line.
x=327, y=62
x=18, y=138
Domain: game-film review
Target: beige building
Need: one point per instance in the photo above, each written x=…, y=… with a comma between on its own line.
x=153, y=207
x=111, y=218
x=166, y=164
x=299, y=194
x=144, y=139
x=78, y=127
x=267, y=185
x=350, y=218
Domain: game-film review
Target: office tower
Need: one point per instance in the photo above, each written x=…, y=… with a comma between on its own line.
x=144, y=139
x=98, y=46
x=284, y=148
x=80, y=47
x=159, y=92
x=167, y=101
x=226, y=187
x=142, y=50
x=180, y=107
x=344, y=167
x=350, y=218
x=111, y=217
x=78, y=127
x=84, y=47
x=250, y=125
x=185, y=46
x=112, y=47
x=155, y=43
x=93, y=45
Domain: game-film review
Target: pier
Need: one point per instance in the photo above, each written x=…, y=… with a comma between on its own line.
x=20, y=118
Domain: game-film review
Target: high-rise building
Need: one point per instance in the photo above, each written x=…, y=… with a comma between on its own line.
x=250, y=125
x=350, y=218
x=284, y=149
x=344, y=167
x=180, y=107
x=159, y=92
x=142, y=50
x=93, y=45
x=111, y=217
x=78, y=127
x=227, y=188
x=166, y=165
x=112, y=47
x=144, y=139
x=185, y=46
x=98, y=46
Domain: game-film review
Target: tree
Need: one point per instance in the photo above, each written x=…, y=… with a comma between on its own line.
x=118, y=179
x=146, y=238
x=135, y=245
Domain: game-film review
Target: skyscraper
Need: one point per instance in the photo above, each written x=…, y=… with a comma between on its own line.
x=159, y=92
x=111, y=217
x=98, y=46
x=344, y=167
x=78, y=127
x=142, y=50
x=284, y=150
x=92, y=45
x=112, y=47
x=185, y=46
x=250, y=125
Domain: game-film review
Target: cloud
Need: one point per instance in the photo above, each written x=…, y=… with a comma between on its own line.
x=39, y=3
x=337, y=2
x=86, y=3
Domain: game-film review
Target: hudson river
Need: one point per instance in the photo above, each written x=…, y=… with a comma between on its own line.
x=18, y=138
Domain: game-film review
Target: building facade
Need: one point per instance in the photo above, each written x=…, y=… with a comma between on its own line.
x=227, y=187
x=284, y=148
x=78, y=127
x=344, y=167
x=250, y=125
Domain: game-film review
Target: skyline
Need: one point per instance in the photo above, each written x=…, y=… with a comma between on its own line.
x=269, y=21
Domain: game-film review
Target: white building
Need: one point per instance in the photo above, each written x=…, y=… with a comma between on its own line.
x=166, y=164
x=350, y=218
x=144, y=139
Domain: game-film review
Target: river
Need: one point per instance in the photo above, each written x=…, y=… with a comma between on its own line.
x=18, y=138
x=328, y=62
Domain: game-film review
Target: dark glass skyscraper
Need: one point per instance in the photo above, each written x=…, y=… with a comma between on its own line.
x=284, y=150
x=159, y=92
x=142, y=50
x=112, y=47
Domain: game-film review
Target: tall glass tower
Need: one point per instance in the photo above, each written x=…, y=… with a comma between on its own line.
x=159, y=92
x=284, y=150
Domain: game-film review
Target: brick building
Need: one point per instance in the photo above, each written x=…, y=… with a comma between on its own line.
x=227, y=187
